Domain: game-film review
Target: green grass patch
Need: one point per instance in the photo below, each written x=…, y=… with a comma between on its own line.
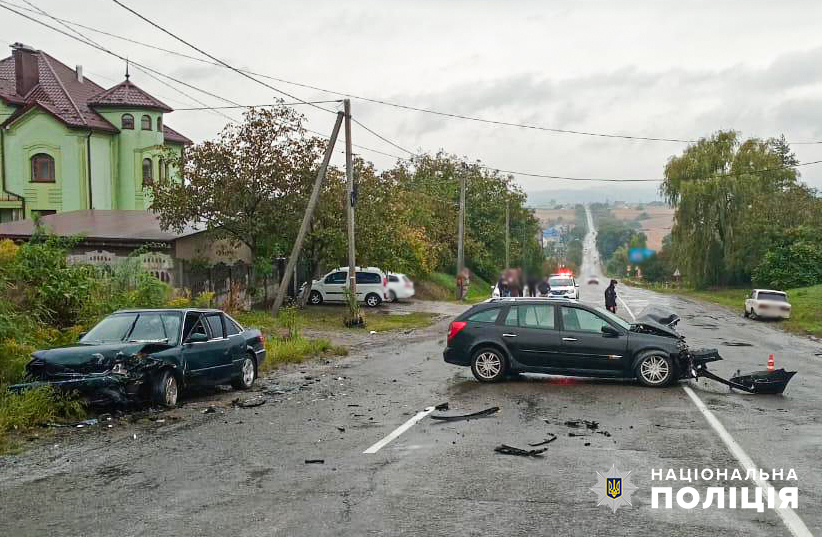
x=442, y=286
x=297, y=349
x=20, y=412
x=331, y=317
x=806, y=304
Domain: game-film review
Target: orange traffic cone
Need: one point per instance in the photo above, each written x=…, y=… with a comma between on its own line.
x=770, y=362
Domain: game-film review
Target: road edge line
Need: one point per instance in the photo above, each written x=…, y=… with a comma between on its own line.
x=399, y=430
x=791, y=520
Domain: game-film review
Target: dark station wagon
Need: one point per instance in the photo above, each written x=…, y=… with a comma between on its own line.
x=152, y=355
x=508, y=336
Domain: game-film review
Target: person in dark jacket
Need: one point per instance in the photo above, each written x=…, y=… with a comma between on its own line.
x=611, y=297
x=544, y=287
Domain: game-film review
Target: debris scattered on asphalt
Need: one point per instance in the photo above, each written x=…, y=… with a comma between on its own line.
x=587, y=444
x=736, y=344
x=315, y=461
x=353, y=405
x=210, y=410
x=546, y=441
x=509, y=450
x=341, y=429
x=572, y=435
x=480, y=414
x=606, y=434
x=441, y=406
x=249, y=403
x=590, y=425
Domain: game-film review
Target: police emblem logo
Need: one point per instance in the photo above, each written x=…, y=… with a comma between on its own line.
x=614, y=488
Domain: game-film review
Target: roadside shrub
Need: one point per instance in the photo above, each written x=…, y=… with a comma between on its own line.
x=203, y=300
x=20, y=411
x=788, y=266
x=288, y=318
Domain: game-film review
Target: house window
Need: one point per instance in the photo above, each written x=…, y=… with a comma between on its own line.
x=127, y=121
x=148, y=172
x=145, y=123
x=161, y=170
x=159, y=124
x=42, y=168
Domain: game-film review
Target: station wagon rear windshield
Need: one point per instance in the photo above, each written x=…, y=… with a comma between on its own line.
x=138, y=327
x=776, y=297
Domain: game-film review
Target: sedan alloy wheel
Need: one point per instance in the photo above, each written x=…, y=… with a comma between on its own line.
x=655, y=370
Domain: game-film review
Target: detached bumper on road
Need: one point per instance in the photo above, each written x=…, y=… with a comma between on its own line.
x=453, y=357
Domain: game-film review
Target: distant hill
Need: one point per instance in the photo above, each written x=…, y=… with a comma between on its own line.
x=596, y=192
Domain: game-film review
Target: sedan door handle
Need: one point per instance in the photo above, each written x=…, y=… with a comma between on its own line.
x=509, y=335
x=569, y=339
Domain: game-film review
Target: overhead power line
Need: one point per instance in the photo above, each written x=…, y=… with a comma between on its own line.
x=371, y=131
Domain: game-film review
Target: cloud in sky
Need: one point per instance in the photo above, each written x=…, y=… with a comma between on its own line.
x=650, y=68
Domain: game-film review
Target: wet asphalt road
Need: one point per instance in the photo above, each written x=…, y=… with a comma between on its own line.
x=242, y=471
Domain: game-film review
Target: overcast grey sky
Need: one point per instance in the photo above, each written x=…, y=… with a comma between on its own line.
x=674, y=69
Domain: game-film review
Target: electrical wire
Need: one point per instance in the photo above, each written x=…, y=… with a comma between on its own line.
x=399, y=105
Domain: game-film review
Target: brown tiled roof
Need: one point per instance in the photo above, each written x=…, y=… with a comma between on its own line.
x=171, y=135
x=100, y=225
x=59, y=93
x=127, y=94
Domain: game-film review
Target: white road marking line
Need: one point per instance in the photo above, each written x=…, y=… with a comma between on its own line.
x=399, y=430
x=631, y=313
x=788, y=515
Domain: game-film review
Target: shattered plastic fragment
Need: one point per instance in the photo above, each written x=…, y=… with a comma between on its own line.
x=546, y=441
x=480, y=414
x=509, y=450
x=315, y=461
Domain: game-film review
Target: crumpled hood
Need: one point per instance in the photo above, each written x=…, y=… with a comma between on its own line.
x=81, y=354
x=647, y=326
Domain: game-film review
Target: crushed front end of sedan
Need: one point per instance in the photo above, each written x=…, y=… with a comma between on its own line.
x=118, y=380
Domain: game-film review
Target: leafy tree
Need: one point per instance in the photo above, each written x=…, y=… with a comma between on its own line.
x=716, y=186
x=250, y=185
x=795, y=261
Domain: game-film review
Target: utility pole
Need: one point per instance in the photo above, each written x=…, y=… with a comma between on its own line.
x=461, y=225
x=507, y=232
x=309, y=211
x=349, y=175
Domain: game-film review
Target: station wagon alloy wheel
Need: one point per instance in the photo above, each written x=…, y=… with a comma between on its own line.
x=654, y=370
x=372, y=300
x=488, y=365
x=315, y=298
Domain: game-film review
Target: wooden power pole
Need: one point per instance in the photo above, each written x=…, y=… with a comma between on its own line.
x=507, y=232
x=349, y=175
x=309, y=211
x=461, y=224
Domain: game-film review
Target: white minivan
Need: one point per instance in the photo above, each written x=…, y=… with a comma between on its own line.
x=372, y=286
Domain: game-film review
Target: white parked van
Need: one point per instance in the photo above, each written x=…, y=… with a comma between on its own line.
x=372, y=286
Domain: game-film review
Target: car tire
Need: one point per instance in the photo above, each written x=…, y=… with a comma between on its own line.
x=745, y=313
x=754, y=316
x=392, y=296
x=165, y=389
x=315, y=298
x=372, y=300
x=248, y=374
x=655, y=369
x=489, y=365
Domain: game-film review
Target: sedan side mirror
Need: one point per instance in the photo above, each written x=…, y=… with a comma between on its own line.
x=609, y=331
x=197, y=337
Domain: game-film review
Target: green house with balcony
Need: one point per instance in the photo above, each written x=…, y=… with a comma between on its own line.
x=68, y=144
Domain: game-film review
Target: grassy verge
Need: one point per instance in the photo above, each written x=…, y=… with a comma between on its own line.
x=297, y=349
x=24, y=411
x=442, y=286
x=331, y=317
x=806, y=304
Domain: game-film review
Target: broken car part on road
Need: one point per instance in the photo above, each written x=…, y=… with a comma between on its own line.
x=509, y=450
x=481, y=414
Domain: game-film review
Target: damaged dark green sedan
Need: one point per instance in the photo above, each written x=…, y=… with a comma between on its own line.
x=151, y=355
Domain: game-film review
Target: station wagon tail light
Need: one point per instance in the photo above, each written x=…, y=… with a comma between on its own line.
x=454, y=328
x=384, y=281
x=764, y=306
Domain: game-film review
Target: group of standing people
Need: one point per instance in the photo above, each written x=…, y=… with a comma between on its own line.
x=512, y=282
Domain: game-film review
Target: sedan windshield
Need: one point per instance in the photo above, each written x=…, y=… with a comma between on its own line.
x=560, y=282
x=137, y=327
